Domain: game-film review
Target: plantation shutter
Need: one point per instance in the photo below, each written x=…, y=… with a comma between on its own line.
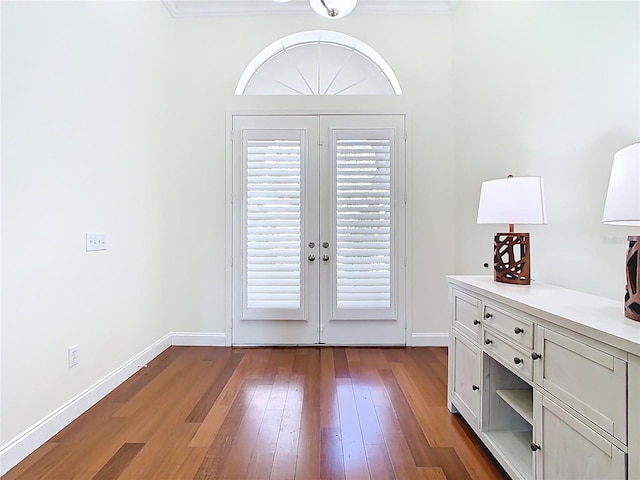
x=273, y=268
x=364, y=205
x=363, y=226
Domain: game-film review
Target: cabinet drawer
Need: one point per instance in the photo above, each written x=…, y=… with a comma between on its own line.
x=467, y=314
x=591, y=381
x=508, y=355
x=514, y=328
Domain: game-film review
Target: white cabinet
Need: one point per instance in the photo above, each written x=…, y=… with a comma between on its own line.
x=557, y=379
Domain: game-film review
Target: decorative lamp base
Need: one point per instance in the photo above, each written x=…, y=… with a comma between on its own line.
x=511, y=258
x=632, y=295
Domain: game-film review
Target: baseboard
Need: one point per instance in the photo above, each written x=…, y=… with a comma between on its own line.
x=198, y=339
x=24, y=444
x=430, y=339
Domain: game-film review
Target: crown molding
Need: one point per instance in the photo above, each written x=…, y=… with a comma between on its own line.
x=226, y=8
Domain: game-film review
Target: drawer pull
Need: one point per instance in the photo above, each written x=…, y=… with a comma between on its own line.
x=475, y=387
x=517, y=360
x=487, y=315
x=518, y=330
x=476, y=322
x=534, y=447
x=535, y=355
x=488, y=341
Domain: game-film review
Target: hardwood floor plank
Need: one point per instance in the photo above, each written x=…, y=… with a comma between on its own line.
x=308, y=454
x=68, y=462
x=163, y=454
x=369, y=425
x=285, y=456
x=431, y=473
x=340, y=363
x=418, y=444
x=271, y=414
x=244, y=443
x=116, y=464
x=331, y=459
x=35, y=465
x=221, y=372
x=216, y=416
x=309, y=445
x=404, y=467
x=179, y=374
x=380, y=466
x=234, y=415
x=192, y=460
x=281, y=379
x=264, y=452
x=301, y=360
x=355, y=458
x=210, y=469
x=141, y=379
x=329, y=414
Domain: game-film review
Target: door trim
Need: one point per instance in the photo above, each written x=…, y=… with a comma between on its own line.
x=410, y=338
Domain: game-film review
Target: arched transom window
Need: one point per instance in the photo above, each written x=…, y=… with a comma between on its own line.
x=318, y=62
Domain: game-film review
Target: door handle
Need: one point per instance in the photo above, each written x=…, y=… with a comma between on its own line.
x=312, y=258
x=325, y=258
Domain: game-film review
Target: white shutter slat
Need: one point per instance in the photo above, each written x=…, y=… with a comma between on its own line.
x=269, y=267
x=273, y=230
x=363, y=223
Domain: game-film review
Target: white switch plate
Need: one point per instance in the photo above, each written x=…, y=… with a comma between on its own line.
x=96, y=241
x=74, y=359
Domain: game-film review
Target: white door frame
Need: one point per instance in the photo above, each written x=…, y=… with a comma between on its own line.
x=408, y=270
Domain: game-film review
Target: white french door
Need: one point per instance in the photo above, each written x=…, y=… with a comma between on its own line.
x=318, y=230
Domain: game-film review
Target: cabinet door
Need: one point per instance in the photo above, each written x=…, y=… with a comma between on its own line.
x=569, y=449
x=592, y=381
x=465, y=381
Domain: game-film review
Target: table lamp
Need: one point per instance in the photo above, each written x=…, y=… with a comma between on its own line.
x=512, y=200
x=622, y=207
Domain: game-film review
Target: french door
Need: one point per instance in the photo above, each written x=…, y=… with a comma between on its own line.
x=318, y=230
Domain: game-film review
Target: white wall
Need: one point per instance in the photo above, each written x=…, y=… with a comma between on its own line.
x=114, y=120
x=86, y=147
x=550, y=89
x=211, y=53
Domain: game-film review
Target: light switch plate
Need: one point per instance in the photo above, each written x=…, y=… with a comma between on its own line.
x=96, y=242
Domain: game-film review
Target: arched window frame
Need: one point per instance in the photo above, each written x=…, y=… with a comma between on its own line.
x=317, y=36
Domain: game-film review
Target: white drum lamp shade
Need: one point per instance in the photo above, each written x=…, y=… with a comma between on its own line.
x=622, y=207
x=512, y=200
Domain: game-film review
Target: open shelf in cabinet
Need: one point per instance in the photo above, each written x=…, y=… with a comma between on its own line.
x=507, y=416
x=516, y=448
x=521, y=400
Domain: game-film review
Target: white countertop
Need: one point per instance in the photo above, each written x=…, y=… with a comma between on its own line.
x=597, y=317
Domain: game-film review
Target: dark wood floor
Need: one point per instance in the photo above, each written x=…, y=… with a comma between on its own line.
x=282, y=413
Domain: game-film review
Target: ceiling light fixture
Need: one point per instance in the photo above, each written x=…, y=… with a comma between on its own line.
x=331, y=8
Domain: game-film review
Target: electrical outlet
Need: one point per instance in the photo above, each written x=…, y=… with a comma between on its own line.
x=73, y=356
x=96, y=241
